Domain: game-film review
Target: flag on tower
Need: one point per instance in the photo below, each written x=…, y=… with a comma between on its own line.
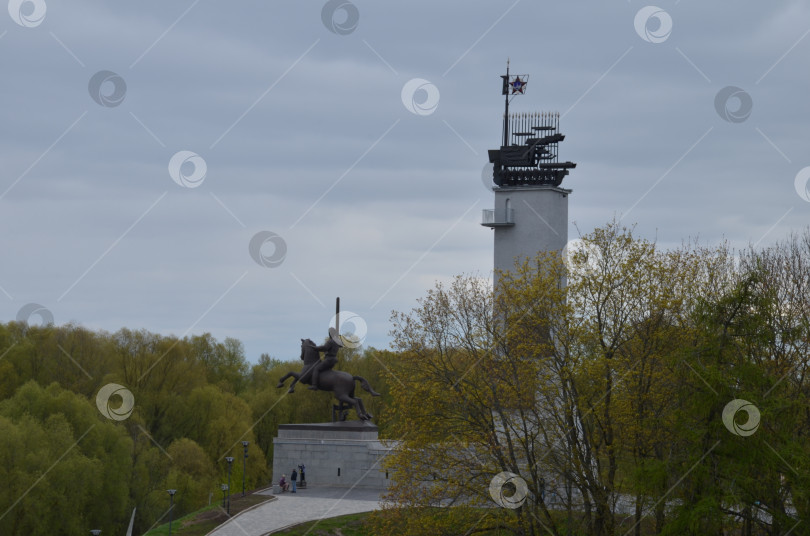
x=518, y=84
x=514, y=85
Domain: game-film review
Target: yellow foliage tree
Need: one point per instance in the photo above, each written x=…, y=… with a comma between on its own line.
x=566, y=377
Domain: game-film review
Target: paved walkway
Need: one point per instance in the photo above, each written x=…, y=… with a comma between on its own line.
x=305, y=505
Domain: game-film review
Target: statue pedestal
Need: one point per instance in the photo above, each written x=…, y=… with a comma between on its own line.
x=340, y=454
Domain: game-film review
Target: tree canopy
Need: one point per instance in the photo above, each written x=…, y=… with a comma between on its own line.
x=586, y=395
x=622, y=389
x=68, y=467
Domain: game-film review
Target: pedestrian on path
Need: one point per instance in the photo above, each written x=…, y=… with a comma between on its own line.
x=293, y=478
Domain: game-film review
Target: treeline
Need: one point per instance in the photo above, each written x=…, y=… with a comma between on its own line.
x=70, y=462
x=657, y=392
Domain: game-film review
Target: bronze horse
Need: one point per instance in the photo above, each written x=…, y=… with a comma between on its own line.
x=340, y=383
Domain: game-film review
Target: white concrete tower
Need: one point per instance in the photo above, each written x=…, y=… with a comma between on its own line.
x=527, y=220
x=531, y=208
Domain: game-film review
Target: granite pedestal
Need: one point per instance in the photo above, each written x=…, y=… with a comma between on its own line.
x=343, y=454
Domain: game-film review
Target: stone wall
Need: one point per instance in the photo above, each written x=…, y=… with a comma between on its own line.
x=343, y=454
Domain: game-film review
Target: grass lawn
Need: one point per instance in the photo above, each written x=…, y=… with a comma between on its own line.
x=203, y=521
x=348, y=525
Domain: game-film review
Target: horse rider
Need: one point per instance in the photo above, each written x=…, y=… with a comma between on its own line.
x=330, y=347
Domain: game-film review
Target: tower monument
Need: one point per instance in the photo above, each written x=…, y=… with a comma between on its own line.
x=531, y=208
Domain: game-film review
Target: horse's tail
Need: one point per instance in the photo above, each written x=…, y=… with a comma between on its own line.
x=364, y=384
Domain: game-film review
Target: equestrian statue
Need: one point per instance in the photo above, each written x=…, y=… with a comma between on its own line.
x=319, y=374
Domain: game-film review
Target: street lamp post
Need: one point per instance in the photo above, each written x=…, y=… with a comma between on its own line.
x=244, y=465
x=229, y=459
x=171, y=508
x=224, y=488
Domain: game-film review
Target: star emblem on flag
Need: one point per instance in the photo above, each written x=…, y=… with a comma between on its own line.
x=518, y=85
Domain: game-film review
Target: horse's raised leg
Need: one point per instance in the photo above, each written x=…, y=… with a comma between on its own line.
x=292, y=385
x=283, y=379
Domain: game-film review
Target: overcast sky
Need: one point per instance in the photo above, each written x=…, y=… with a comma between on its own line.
x=299, y=130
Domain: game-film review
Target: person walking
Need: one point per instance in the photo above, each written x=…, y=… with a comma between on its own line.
x=293, y=478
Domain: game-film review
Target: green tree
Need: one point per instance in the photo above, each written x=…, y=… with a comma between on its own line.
x=608, y=388
x=224, y=363
x=192, y=474
x=751, y=344
x=64, y=467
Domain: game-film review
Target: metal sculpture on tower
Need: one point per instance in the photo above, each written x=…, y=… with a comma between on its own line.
x=528, y=152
